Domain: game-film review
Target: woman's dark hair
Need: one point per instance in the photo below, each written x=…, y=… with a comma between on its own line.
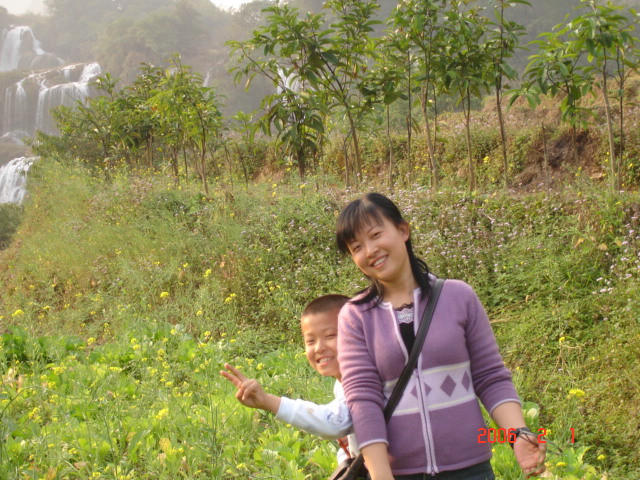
x=355, y=216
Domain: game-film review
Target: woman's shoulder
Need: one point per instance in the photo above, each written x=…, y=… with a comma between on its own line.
x=361, y=301
x=458, y=288
x=359, y=307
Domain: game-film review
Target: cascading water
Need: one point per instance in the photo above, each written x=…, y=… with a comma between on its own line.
x=27, y=103
x=63, y=94
x=13, y=179
x=17, y=43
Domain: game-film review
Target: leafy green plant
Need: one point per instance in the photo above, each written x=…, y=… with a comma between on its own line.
x=10, y=218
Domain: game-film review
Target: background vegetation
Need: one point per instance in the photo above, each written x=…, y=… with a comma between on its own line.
x=123, y=297
x=166, y=233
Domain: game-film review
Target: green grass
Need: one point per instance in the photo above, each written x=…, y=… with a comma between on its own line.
x=101, y=272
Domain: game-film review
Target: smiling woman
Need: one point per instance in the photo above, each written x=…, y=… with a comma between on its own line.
x=459, y=360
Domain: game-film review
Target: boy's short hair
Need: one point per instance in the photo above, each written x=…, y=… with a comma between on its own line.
x=324, y=304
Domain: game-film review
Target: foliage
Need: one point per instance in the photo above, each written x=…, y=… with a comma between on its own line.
x=136, y=257
x=163, y=113
x=10, y=218
x=463, y=71
x=418, y=22
x=555, y=70
x=606, y=33
x=314, y=70
x=289, y=46
x=501, y=43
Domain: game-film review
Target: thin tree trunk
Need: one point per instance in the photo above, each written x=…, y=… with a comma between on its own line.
x=615, y=178
x=574, y=144
x=409, y=119
x=390, y=146
x=203, y=165
x=622, y=135
x=503, y=137
x=186, y=163
x=174, y=165
x=226, y=153
x=546, y=157
x=346, y=163
x=424, y=100
x=244, y=168
x=467, y=117
x=356, y=147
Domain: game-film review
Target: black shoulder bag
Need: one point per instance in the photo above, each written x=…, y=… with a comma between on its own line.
x=354, y=468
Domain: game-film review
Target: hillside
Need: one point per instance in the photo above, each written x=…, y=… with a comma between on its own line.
x=119, y=36
x=129, y=293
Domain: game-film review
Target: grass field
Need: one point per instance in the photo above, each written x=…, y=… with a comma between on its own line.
x=122, y=297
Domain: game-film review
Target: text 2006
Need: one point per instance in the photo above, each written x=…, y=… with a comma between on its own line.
x=502, y=435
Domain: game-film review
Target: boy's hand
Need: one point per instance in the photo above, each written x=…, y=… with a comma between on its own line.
x=250, y=392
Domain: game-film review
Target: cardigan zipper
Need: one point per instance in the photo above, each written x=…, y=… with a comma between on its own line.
x=424, y=412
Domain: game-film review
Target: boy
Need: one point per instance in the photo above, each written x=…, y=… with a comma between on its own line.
x=319, y=325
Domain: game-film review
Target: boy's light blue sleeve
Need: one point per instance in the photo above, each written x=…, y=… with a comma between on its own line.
x=328, y=421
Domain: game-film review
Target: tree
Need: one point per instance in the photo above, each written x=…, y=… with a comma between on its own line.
x=419, y=21
x=182, y=98
x=606, y=33
x=502, y=41
x=397, y=56
x=285, y=50
x=384, y=86
x=345, y=52
x=555, y=69
x=464, y=68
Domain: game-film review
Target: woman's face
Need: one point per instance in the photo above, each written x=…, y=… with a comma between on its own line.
x=379, y=251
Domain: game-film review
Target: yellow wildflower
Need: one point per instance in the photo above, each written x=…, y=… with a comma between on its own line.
x=162, y=414
x=576, y=392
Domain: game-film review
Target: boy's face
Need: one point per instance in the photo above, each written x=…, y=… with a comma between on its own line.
x=320, y=334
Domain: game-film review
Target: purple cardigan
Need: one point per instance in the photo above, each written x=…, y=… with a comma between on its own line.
x=435, y=426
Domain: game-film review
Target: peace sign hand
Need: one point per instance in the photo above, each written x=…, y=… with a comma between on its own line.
x=249, y=392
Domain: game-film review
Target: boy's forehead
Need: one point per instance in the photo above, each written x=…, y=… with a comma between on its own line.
x=319, y=319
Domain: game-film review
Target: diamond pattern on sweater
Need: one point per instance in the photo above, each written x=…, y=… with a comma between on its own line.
x=449, y=385
x=466, y=381
x=442, y=387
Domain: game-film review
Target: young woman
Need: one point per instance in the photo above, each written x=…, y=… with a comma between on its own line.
x=435, y=429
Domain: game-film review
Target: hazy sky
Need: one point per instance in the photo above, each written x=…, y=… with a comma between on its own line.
x=18, y=7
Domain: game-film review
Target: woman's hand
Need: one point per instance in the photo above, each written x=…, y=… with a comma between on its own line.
x=376, y=458
x=530, y=454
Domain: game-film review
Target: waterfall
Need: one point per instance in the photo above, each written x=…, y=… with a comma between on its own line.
x=13, y=179
x=16, y=115
x=63, y=94
x=27, y=103
x=14, y=42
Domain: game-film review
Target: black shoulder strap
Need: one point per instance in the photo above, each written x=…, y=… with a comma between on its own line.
x=415, y=351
